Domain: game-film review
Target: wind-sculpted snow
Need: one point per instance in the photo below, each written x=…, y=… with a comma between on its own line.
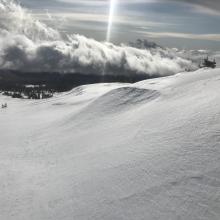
x=122, y=99
x=29, y=45
x=149, y=150
x=113, y=102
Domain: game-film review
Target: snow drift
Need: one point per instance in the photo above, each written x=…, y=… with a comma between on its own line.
x=152, y=154
x=27, y=44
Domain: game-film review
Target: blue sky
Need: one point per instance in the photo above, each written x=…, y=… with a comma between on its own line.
x=175, y=23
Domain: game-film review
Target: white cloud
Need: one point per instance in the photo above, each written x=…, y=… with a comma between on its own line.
x=29, y=45
x=210, y=37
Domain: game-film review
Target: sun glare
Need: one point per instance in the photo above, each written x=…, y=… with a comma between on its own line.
x=110, y=20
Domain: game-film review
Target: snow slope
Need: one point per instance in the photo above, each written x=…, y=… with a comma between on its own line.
x=145, y=151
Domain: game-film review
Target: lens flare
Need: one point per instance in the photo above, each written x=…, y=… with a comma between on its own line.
x=111, y=18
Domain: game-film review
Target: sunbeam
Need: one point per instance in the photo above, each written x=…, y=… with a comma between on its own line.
x=110, y=20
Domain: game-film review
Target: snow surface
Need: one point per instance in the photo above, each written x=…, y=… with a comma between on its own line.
x=145, y=151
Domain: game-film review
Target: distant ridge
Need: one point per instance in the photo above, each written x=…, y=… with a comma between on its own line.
x=60, y=82
x=144, y=44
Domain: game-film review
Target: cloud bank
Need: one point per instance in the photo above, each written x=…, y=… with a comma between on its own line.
x=211, y=4
x=29, y=45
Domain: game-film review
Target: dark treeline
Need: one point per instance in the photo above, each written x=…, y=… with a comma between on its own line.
x=35, y=92
x=43, y=85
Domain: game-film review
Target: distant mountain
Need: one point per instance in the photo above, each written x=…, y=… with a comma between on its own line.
x=144, y=44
